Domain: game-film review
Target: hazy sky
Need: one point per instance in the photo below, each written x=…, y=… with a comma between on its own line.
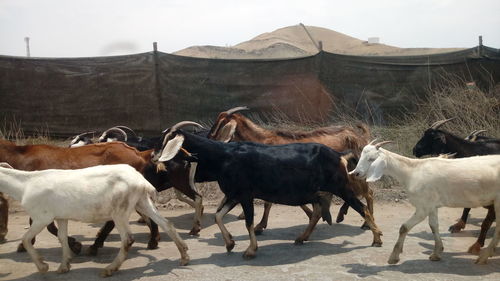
x=74, y=28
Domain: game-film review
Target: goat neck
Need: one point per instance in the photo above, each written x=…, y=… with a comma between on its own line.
x=399, y=167
x=12, y=182
x=246, y=130
x=211, y=154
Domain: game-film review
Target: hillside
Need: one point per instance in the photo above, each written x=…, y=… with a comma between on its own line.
x=293, y=41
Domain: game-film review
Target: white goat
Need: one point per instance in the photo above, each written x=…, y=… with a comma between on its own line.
x=96, y=194
x=436, y=182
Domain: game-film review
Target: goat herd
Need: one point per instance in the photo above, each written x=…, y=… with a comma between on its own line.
x=247, y=161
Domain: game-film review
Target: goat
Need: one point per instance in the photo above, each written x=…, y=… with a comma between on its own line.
x=41, y=157
x=291, y=174
x=95, y=194
x=231, y=126
x=436, y=141
x=128, y=136
x=433, y=183
x=82, y=139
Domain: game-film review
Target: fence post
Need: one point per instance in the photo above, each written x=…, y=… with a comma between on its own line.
x=480, y=46
x=157, y=83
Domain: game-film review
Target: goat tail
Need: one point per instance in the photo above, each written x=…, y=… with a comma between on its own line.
x=151, y=192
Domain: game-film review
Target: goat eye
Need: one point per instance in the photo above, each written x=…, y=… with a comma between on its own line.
x=371, y=159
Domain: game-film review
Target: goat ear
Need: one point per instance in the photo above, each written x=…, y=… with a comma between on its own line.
x=171, y=148
x=227, y=132
x=376, y=170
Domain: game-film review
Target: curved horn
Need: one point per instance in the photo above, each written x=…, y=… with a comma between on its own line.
x=378, y=145
x=477, y=132
x=114, y=129
x=84, y=134
x=127, y=129
x=184, y=124
x=235, y=109
x=439, y=123
x=373, y=141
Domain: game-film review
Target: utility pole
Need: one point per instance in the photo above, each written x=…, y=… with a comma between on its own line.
x=27, y=40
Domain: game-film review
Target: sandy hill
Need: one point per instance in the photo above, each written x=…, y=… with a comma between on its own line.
x=294, y=41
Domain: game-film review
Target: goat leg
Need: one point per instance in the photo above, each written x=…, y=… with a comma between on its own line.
x=342, y=212
x=265, y=216
x=316, y=215
x=457, y=227
x=485, y=226
x=4, y=217
x=101, y=236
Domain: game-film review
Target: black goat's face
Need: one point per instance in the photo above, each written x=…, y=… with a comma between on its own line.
x=433, y=142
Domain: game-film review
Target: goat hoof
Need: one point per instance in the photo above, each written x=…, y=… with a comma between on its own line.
x=339, y=219
x=365, y=226
x=475, y=249
x=195, y=232
x=20, y=248
x=248, y=255
x=241, y=216
x=106, y=272
x=376, y=244
x=43, y=267
x=76, y=247
x=92, y=251
x=434, y=257
x=258, y=230
x=456, y=228
x=230, y=246
x=2, y=239
x=184, y=261
x=63, y=269
x=141, y=220
x=393, y=260
x=299, y=241
x=152, y=245
x=480, y=261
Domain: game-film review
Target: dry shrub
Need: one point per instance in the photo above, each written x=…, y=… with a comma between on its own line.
x=472, y=108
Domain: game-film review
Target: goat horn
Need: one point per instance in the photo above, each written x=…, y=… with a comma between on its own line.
x=235, y=109
x=125, y=128
x=378, y=145
x=84, y=134
x=116, y=129
x=373, y=141
x=477, y=132
x=439, y=123
x=184, y=124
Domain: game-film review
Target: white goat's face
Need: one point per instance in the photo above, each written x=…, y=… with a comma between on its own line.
x=371, y=164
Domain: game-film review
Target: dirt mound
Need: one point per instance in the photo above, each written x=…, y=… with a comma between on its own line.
x=295, y=41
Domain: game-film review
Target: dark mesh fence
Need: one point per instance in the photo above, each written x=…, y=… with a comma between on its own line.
x=151, y=91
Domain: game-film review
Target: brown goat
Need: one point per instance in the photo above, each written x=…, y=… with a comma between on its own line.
x=41, y=157
x=231, y=126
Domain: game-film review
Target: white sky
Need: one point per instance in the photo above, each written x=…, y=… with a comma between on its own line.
x=75, y=28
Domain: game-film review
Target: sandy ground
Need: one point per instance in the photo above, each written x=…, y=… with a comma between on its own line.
x=338, y=252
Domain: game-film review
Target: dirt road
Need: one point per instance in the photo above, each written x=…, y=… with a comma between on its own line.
x=338, y=252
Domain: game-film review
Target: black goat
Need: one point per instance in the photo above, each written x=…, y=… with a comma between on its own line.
x=291, y=174
x=435, y=142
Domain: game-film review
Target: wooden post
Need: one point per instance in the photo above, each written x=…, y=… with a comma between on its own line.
x=480, y=46
x=157, y=83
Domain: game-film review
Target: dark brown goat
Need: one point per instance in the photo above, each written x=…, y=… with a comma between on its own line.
x=41, y=157
x=231, y=126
